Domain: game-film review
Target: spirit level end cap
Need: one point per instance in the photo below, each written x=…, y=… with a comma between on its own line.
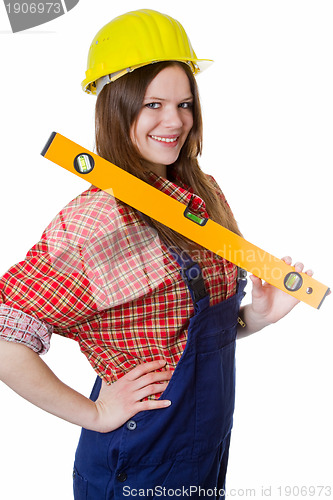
x=48, y=144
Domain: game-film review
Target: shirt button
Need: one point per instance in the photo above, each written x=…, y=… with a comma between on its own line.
x=131, y=425
x=121, y=477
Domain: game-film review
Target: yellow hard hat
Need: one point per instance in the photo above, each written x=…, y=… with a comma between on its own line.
x=133, y=40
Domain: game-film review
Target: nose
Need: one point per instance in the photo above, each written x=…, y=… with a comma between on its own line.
x=172, y=117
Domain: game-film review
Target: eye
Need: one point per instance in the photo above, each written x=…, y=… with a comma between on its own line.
x=152, y=105
x=186, y=105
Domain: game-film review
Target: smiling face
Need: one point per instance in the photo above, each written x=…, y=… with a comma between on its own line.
x=165, y=119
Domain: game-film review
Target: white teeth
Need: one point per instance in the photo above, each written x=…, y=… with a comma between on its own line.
x=164, y=139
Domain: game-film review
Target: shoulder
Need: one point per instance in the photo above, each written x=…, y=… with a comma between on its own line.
x=88, y=203
x=84, y=216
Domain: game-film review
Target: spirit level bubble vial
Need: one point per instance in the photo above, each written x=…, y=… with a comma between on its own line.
x=84, y=163
x=177, y=216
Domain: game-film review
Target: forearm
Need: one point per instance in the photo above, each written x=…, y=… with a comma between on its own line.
x=253, y=322
x=28, y=375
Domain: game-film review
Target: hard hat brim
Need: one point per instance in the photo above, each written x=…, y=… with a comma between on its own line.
x=89, y=84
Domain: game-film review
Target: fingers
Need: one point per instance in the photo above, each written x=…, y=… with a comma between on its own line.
x=150, y=390
x=154, y=404
x=255, y=280
x=146, y=381
x=299, y=266
x=145, y=368
x=127, y=396
x=257, y=284
x=287, y=260
x=150, y=384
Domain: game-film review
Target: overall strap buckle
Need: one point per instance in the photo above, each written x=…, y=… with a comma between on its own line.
x=241, y=274
x=192, y=276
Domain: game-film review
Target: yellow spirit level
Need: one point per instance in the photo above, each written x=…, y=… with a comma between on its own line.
x=177, y=216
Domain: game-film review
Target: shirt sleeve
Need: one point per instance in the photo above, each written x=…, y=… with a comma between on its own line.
x=51, y=288
x=50, y=285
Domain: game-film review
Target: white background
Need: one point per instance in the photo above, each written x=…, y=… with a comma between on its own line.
x=268, y=116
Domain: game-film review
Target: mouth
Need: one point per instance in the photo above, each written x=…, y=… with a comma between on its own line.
x=170, y=140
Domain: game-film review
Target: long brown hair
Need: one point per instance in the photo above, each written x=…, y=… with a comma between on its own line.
x=117, y=107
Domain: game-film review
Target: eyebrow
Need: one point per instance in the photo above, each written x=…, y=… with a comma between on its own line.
x=161, y=98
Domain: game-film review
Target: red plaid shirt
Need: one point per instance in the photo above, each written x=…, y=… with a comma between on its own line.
x=101, y=276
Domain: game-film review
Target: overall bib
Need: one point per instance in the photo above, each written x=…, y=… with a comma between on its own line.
x=181, y=450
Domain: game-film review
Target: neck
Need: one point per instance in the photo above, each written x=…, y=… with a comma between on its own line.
x=160, y=170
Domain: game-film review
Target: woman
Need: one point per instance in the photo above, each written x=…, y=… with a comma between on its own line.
x=155, y=314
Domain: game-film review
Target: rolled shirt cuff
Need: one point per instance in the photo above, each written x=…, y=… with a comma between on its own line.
x=17, y=326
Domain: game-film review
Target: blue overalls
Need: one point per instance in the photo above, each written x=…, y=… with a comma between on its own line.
x=181, y=450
